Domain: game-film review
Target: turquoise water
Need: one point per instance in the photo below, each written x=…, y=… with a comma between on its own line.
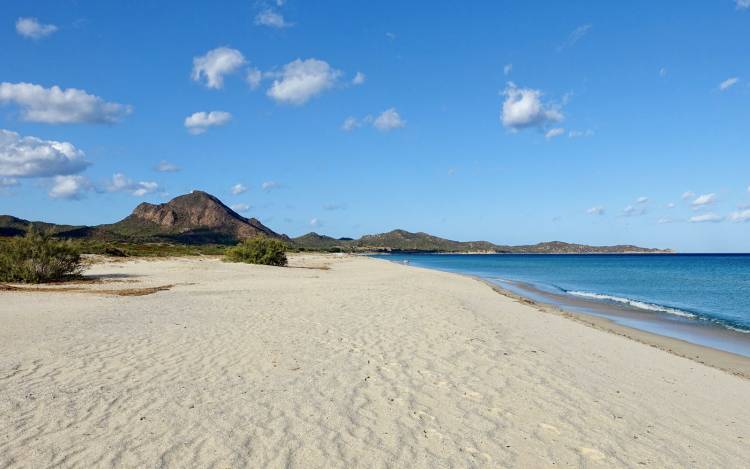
x=713, y=289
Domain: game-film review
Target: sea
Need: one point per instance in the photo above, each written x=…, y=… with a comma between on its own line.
x=693, y=297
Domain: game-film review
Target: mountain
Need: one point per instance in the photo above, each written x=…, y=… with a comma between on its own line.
x=195, y=218
x=200, y=218
x=405, y=241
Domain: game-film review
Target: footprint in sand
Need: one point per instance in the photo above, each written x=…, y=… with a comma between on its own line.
x=593, y=454
x=549, y=428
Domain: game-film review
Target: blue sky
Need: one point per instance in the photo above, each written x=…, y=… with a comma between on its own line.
x=514, y=122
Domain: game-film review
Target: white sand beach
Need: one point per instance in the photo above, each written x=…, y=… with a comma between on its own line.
x=348, y=362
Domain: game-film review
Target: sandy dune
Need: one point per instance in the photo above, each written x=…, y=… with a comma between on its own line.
x=368, y=364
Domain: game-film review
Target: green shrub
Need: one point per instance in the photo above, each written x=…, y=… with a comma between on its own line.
x=38, y=258
x=259, y=250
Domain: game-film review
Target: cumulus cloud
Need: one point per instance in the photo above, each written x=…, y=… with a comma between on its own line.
x=507, y=69
x=728, y=83
x=272, y=19
x=69, y=187
x=633, y=211
x=240, y=208
x=34, y=157
x=270, y=185
x=555, y=132
x=598, y=210
x=254, y=77
x=314, y=222
x=31, y=28
x=166, y=167
x=688, y=195
x=238, y=189
x=740, y=216
x=6, y=184
x=641, y=200
x=706, y=218
x=121, y=183
x=216, y=64
x=703, y=200
x=301, y=80
x=389, y=120
x=199, y=122
x=350, y=123
x=57, y=106
x=359, y=78
x=575, y=36
x=524, y=108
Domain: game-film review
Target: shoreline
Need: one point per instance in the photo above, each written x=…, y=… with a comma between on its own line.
x=732, y=363
x=340, y=361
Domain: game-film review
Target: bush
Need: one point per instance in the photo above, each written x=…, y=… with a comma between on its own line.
x=259, y=250
x=38, y=258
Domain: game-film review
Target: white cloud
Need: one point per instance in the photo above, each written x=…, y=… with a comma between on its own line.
x=314, y=222
x=216, y=64
x=706, y=218
x=688, y=195
x=359, y=78
x=350, y=123
x=270, y=185
x=166, y=167
x=728, y=83
x=632, y=211
x=272, y=19
x=57, y=106
x=31, y=28
x=507, y=69
x=121, y=183
x=670, y=205
x=240, y=208
x=663, y=72
x=69, y=187
x=389, y=120
x=580, y=133
x=703, y=200
x=663, y=221
x=238, y=188
x=199, y=122
x=598, y=210
x=34, y=157
x=254, y=77
x=300, y=80
x=641, y=200
x=575, y=36
x=740, y=216
x=555, y=132
x=8, y=182
x=523, y=108
x=743, y=4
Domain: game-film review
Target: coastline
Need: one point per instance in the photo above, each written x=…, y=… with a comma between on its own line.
x=339, y=361
x=732, y=363
x=735, y=364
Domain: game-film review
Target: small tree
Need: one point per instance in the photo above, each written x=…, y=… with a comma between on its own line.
x=38, y=258
x=258, y=250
